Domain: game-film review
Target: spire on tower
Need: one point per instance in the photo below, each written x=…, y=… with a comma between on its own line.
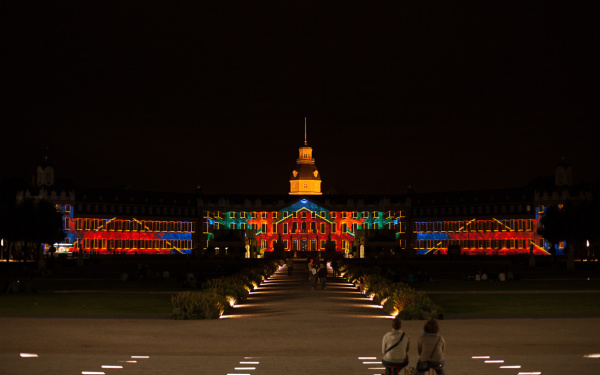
x=305, y=131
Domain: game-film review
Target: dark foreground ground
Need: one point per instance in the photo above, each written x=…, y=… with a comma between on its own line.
x=285, y=328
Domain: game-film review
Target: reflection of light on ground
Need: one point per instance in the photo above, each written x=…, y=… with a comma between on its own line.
x=140, y=356
x=245, y=368
x=365, y=316
x=29, y=355
x=92, y=373
x=236, y=316
x=350, y=298
x=595, y=355
x=494, y=361
x=110, y=366
x=370, y=306
x=128, y=361
x=515, y=366
x=530, y=373
x=260, y=291
x=481, y=357
x=366, y=358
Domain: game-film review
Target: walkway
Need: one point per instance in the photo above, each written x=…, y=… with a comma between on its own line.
x=285, y=328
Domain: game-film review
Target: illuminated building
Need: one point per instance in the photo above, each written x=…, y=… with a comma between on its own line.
x=483, y=222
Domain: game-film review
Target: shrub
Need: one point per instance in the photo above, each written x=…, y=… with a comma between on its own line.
x=397, y=298
x=198, y=305
x=217, y=294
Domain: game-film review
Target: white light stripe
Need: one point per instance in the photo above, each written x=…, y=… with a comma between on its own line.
x=140, y=356
x=235, y=373
x=127, y=361
x=376, y=368
x=372, y=363
x=92, y=373
x=530, y=373
x=109, y=366
x=510, y=366
x=495, y=361
x=245, y=368
x=362, y=358
x=29, y=355
x=595, y=355
x=481, y=357
x=249, y=362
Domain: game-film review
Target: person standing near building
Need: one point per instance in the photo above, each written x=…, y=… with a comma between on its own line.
x=323, y=275
x=395, y=346
x=290, y=265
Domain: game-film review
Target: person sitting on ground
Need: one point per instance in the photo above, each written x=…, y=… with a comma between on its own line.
x=431, y=347
x=394, y=347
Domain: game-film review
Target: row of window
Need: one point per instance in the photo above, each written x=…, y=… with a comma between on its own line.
x=110, y=244
x=303, y=214
x=471, y=210
x=303, y=245
x=88, y=224
x=135, y=210
x=520, y=243
x=519, y=225
x=308, y=227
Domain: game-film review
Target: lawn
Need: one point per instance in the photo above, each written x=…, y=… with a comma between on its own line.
x=545, y=304
x=87, y=304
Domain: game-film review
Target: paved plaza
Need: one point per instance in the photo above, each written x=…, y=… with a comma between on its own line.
x=286, y=328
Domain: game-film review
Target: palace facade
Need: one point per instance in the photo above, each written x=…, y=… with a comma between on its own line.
x=482, y=222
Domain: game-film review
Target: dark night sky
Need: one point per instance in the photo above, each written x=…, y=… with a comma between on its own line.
x=174, y=94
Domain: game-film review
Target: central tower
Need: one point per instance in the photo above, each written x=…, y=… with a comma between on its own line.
x=305, y=179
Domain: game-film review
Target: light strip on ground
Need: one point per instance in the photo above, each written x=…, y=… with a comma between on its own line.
x=92, y=373
x=140, y=356
x=249, y=362
x=530, y=373
x=29, y=355
x=110, y=366
x=245, y=368
x=595, y=355
x=365, y=358
x=481, y=357
x=495, y=361
x=516, y=366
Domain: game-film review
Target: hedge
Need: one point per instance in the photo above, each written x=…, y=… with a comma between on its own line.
x=220, y=294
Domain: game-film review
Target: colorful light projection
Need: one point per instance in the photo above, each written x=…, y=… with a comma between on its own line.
x=303, y=226
x=540, y=211
x=480, y=237
x=105, y=236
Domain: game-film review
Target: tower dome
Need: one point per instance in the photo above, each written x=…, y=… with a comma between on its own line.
x=305, y=179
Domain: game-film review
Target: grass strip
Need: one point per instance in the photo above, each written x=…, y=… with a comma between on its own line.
x=521, y=304
x=86, y=304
